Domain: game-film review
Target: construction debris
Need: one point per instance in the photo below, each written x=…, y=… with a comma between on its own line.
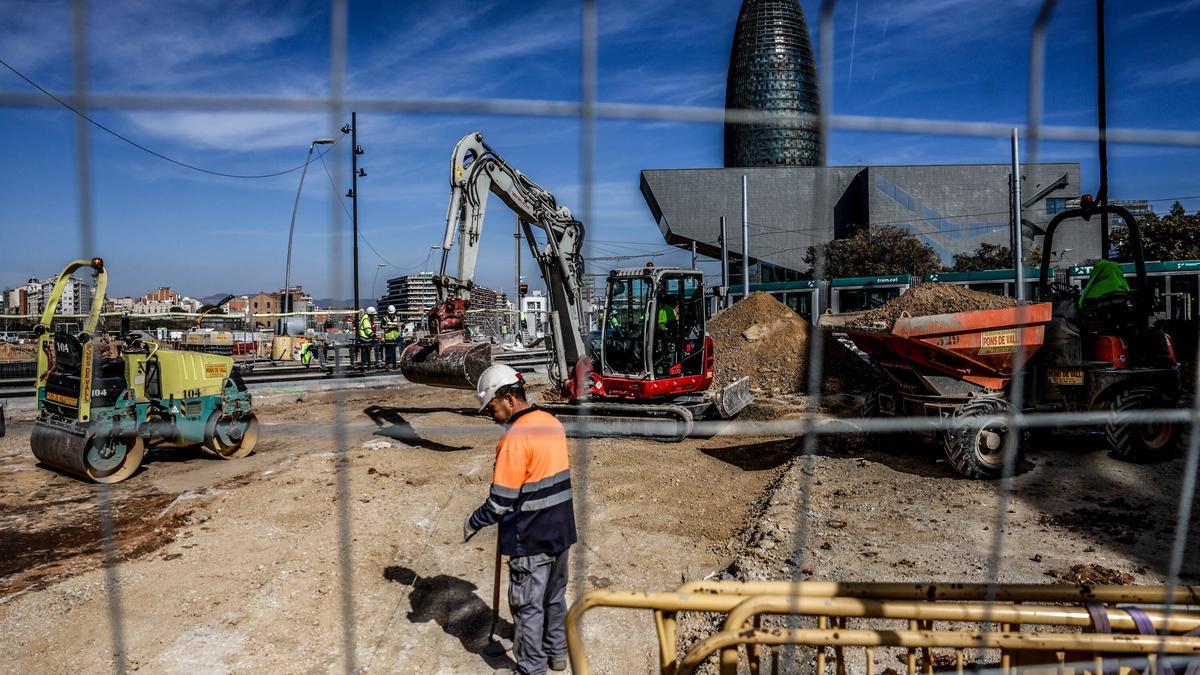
x=1097, y=575
x=931, y=298
x=764, y=339
x=12, y=352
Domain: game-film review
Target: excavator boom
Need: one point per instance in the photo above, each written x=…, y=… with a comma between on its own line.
x=448, y=357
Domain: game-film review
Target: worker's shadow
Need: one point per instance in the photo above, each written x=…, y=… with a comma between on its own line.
x=454, y=605
x=393, y=425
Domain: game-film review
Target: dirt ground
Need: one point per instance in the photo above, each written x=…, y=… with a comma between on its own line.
x=237, y=566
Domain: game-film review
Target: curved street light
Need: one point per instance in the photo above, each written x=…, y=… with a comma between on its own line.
x=378, y=267
x=286, y=305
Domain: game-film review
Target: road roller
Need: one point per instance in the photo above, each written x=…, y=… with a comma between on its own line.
x=97, y=415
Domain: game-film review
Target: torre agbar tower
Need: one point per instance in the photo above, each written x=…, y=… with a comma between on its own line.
x=771, y=68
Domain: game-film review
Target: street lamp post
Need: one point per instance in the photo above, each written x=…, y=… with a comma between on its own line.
x=352, y=193
x=286, y=304
x=378, y=267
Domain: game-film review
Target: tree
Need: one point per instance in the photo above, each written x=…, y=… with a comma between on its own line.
x=876, y=251
x=993, y=257
x=1175, y=236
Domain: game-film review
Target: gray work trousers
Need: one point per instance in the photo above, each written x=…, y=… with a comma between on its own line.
x=537, y=597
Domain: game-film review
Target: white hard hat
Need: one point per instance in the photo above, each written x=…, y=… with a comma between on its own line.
x=371, y=310
x=492, y=380
x=391, y=309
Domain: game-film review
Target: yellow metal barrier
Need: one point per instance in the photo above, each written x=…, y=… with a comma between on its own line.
x=1184, y=595
x=1102, y=647
x=918, y=604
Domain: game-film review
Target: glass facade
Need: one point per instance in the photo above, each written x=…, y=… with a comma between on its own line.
x=1055, y=205
x=771, y=68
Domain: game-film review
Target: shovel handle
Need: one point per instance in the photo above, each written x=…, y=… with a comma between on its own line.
x=496, y=589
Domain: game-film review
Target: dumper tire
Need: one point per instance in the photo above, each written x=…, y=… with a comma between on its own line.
x=872, y=409
x=970, y=439
x=1141, y=442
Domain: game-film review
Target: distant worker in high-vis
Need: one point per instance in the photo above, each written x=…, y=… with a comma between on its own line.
x=530, y=499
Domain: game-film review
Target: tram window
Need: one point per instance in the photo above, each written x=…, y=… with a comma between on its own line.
x=1183, y=304
x=1158, y=291
x=993, y=288
x=800, y=303
x=804, y=304
x=852, y=300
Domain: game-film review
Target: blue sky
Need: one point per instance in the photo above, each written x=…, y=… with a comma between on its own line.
x=159, y=224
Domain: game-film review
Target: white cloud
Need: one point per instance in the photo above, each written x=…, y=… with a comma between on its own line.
x=234, y=131
x=1181, y=72
x=36, y=36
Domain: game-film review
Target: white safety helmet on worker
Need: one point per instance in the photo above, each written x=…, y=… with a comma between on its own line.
x=371, y=310
x=391, y=309
x=492, y=380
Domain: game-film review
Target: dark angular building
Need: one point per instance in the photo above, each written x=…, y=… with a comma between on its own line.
x=953, y=208
x=771, y=68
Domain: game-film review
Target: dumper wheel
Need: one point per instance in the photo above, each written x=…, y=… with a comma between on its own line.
x=231, y=437
x=873, y=408
x=884, y=403
x=1140, y=441
x=976, y=443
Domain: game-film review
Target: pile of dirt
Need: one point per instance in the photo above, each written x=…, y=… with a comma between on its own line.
x=1096, y=575
x=932, y=298
x=764, y=339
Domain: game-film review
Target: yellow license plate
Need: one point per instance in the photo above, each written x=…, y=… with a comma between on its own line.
x=1065, y=375
x=59, y=398
x=999, y=341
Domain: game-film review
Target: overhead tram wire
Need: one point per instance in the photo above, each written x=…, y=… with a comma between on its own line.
x=363, y=237
x=767, y=230
x=145, y=149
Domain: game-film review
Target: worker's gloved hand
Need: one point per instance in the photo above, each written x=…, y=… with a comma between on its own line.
x=468, y=531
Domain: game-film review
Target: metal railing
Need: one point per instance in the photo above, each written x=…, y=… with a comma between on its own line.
x=1055, y=613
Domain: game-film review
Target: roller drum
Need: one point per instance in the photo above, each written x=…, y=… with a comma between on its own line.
x=103, y=458
x=231, y=437
x=456, y=366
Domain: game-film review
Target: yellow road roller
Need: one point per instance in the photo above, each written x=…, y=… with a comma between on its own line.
x=96, y=415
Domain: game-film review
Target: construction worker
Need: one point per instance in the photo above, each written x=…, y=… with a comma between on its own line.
x=366, y=337
x=391, y=336
x=1106, y=277
x=306, y=353
x=530, y=499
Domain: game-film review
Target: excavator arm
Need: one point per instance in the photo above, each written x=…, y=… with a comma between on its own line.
x=475, y=171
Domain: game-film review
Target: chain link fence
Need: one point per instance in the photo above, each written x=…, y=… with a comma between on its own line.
x=588, y=110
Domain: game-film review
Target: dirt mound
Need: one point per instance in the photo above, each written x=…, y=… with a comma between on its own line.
x=763, y=338
x=1097, y=575
x=932, y=298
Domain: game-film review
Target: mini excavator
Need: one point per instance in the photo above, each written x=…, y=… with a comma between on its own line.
x=96, y=415
x=649, y=371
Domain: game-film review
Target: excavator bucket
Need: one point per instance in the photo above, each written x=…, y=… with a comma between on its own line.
x=437, y=364
x=733, y=397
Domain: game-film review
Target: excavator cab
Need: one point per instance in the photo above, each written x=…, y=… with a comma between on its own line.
x=654, y=328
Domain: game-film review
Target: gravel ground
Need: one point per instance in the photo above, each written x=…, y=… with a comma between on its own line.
x=238, y=566
x=899, y=514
